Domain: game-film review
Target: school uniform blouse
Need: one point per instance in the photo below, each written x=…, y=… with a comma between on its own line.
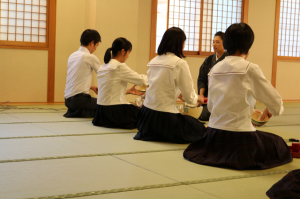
x=234, y=86
x=112, y=82
x=169, y=75
x=79, y=75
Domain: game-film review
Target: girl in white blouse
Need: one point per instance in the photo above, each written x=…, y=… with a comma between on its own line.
x=168, y=76
x=234, y=86
x=112, y=108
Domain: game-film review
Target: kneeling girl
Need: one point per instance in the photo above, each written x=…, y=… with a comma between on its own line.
x=112, y=108
x=234, y=86
x=168, y=75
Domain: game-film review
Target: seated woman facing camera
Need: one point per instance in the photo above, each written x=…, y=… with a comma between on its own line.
x=168, y=75
x=207, y=65
x=112, y=108
x=234, y=86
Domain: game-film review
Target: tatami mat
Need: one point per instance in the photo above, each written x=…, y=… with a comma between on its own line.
x=42, y=147
x=67, y=176
x=285, y=132
x=123, y=143
x=5, y=118
x=249, y=188
x=284, y=121
x=43, y=117
x=7, y=108
x=172, y=165
x=43, y=154
x=23, y=129
x=290, y=110
x=85, y=127
x=285, y=104
x=177, y=192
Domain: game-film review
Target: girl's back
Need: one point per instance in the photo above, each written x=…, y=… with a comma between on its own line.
x=235, y=84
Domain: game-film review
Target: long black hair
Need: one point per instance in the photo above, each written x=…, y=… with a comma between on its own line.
x=238, y=37
x=172, y=42
x=119, y=44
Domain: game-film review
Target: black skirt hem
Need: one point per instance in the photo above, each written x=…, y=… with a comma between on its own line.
x=123, y=116
x=171, y=127
x=239, y=150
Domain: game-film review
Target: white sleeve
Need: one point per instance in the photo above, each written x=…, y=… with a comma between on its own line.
x=263, y=91
x=209, y=102
x=94, y=62
x=185, y=83
x=133, y=77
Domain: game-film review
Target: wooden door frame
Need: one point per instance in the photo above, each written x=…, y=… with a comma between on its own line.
x=51, y=31
x=51, y=51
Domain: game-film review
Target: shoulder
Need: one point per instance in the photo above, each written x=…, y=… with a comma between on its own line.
x=92, y=57
x=251, y=66
x=254, y=68
x=226, y=54
x=182, y=62
x=123, y=65
x=209, y=58
x=182, y=65
x=207, y=61
x=74, y=55
x=168, y=60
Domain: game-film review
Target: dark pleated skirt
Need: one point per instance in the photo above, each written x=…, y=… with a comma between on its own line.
x=239, y=150
x=116, y=116
x=163, y=126
x=286, y=188
x=205, y=114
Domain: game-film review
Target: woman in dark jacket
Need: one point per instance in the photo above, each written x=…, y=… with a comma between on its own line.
x=202, y=81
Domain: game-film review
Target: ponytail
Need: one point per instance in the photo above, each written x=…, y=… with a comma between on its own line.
x=107, y=56
x=119, y=44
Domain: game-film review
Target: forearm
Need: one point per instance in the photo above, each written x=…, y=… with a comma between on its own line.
x=202, y=91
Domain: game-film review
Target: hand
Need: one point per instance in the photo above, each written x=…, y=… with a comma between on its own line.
x=265, y=113
x=134, y=91
x=180, y=97
x=95, y=89
x=200, y=100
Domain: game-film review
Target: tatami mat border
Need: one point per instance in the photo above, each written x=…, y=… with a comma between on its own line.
x=65, y=135
x=86, y=120
x=89, y=155
x=32, y=112
x=93, y=193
